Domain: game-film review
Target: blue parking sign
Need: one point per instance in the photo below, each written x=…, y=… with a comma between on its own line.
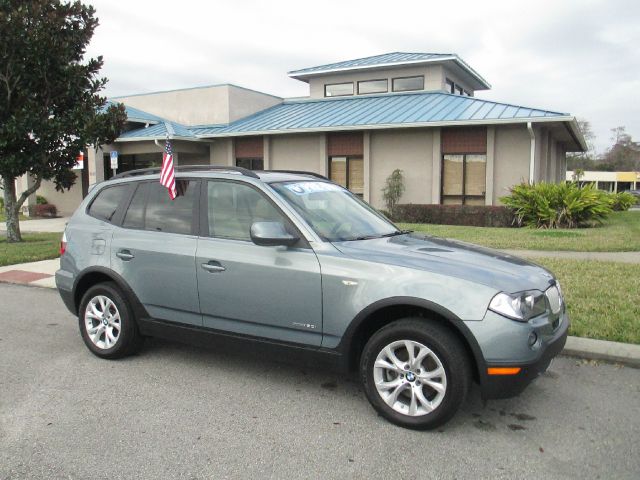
x=114, y=159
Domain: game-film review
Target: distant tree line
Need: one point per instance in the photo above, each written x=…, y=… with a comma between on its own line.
x=622, y=155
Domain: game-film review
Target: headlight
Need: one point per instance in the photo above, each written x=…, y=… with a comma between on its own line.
x=519, y=306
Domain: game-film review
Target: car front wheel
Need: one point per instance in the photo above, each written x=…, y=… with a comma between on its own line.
x=415, y=373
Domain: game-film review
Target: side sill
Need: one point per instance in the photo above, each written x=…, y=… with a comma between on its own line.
x=255, y=347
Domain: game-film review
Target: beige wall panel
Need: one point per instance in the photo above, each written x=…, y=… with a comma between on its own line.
x=243, y=102
x=185, y=106
x=409, y=150
x=511, y=162
x=219, y=154
x=295, y=152
x=66, y=202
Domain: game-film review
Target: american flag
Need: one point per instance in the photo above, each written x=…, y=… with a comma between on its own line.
x=167, y=174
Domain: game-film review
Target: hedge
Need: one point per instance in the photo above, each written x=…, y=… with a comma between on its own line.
x=471, y=215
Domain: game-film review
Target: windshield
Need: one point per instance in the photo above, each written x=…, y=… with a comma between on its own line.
x=333, y=212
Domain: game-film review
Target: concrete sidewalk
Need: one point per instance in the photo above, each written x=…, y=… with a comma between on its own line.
x=40, y=225
x=38, y=274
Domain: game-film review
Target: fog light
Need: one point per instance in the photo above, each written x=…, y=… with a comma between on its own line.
x=533, y=338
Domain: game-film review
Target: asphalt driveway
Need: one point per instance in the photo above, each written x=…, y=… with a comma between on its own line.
x=175, y=411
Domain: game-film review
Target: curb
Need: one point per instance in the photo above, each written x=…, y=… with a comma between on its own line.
x=624, y=353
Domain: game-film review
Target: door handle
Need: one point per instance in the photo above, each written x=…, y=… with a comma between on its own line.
x=213, y=267
x=125, y=255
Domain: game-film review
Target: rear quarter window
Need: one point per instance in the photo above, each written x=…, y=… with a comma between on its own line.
x=105, y=205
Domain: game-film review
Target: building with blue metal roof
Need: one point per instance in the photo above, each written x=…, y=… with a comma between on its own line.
x=363, y=118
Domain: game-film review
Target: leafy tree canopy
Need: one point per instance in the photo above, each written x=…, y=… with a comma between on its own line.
x=50, y=107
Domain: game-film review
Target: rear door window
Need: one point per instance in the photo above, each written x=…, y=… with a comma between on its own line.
x=165, y=215
x=134, y=218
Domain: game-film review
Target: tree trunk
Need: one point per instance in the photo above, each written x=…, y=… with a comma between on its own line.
x=11, y=210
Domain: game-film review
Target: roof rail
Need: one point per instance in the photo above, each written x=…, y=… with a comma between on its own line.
x=298, y=172
x=186, y=168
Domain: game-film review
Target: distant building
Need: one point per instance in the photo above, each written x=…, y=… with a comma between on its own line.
x=362, y=119
x=609, y=181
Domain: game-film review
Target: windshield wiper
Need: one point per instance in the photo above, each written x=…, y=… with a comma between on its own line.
x=397, y=232
x=370, y=237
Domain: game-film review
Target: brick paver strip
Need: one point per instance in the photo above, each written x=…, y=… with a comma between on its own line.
x=20, y=276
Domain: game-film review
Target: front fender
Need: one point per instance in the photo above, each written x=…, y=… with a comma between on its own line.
x=349, y=286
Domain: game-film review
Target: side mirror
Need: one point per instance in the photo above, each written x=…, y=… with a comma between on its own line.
x=271, y=234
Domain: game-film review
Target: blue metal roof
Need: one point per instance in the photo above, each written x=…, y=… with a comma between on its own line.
x=376, y=60
x=379, y=111
x=138, y=116
x=158, y=131
x=207, y=129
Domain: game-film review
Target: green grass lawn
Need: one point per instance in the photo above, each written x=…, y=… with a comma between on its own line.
x=36, y=246
x=603, y=298
x=620, y=233
x=3, y=217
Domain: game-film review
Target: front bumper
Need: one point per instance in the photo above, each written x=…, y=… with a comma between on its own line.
x=515, y=352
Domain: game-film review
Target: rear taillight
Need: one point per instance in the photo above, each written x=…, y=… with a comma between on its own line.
x=63, y=243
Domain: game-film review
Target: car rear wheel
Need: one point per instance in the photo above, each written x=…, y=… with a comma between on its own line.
x=415, y=373
x=106, y=322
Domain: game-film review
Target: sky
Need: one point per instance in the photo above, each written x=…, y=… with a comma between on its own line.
x=580, y=57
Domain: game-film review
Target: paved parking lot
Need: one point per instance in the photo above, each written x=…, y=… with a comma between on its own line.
x=176, y=411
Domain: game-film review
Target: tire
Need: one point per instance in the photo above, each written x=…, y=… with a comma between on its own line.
x=114, y=335
x=432, y=390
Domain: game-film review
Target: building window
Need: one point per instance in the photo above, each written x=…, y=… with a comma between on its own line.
x=407, y=84
x=373, y=86
x=249, y=153
x=467, y=93
x=250, y=163
x=464, y=179
x=459, y=90
x=338, y=89
x=449, y=86
x=348, y=172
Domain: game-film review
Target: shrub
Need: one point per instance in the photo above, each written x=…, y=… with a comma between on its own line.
x=46, y=210
x=558, y=205
x=1, y=205
x=622, y=201
x=40, y=200
x=471, y=215
x=393, y=189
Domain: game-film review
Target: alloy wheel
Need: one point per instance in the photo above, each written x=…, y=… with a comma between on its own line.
x=410, y=378
x=102, y=322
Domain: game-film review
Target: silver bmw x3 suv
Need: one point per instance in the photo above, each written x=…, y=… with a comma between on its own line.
x=289, y=261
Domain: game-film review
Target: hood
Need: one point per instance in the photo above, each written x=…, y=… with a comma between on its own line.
x=451, y=257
